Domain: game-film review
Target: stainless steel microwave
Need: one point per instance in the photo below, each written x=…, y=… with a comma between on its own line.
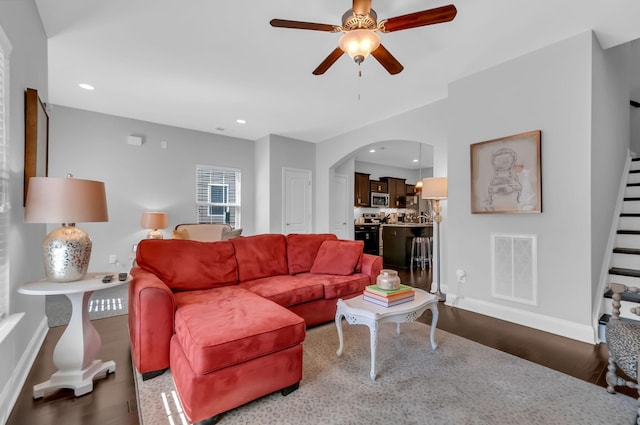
x=379, y=200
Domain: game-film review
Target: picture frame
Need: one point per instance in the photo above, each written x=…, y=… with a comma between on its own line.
x=36, y=143
x=506, y=175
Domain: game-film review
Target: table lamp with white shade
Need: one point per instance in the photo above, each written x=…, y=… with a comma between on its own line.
x=435, y=188
x=67, y=249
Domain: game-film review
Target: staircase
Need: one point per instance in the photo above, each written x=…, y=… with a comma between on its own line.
x=625, y=261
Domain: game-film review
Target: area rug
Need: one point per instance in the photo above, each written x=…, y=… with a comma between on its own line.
x=461, y=382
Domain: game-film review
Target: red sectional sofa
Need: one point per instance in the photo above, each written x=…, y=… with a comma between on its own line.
x=229, y=317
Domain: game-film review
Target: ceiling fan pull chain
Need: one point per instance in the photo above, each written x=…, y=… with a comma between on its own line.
x=359, y=78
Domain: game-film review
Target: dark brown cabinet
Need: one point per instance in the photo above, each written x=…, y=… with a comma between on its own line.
x=361, y=190
x=397, y=191
x=378, y=186
x=396, y=242
x=410, y=190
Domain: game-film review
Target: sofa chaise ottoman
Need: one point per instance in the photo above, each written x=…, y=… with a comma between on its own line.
x=229, y=317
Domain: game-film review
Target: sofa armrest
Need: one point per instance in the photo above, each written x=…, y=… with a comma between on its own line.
x=371, y=266
x=151, y=320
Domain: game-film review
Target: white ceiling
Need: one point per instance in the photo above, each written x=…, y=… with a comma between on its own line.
x=202, y=64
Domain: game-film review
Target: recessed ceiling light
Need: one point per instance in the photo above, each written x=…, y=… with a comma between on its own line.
x=415, y=160
x=241, y=121
x=86, y=86
x=372, y=151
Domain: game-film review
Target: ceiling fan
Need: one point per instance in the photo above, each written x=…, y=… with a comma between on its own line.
x=360, y=24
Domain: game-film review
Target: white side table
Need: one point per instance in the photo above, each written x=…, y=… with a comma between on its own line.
x=76, y=351
x=357, y=311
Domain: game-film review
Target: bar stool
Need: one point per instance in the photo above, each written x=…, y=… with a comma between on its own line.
x=421, y=251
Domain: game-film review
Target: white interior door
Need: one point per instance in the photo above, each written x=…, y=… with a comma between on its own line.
x=339, y=210
x=297, y=213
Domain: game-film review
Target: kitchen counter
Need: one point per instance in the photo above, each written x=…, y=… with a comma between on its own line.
x=397, y=239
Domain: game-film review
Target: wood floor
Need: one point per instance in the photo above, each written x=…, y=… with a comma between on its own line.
x=113, y=401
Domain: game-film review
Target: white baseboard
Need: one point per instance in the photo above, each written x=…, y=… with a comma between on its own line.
x=579, y=332
x=18, y=377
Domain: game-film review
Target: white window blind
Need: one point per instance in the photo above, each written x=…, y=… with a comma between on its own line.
x=5, y=50
x=218, y=195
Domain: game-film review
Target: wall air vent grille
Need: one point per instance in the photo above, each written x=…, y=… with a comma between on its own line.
x=514, y=266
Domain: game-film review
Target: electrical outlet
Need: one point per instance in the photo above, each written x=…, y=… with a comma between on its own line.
x=461, y=275
x=113, y=259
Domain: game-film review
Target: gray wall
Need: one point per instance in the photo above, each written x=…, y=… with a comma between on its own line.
x=550, y=90
x=141, y=178
x=287, y=153
x=263, y=184
x=28, y=68
x=610, y=141
x=635, y=130
x=272, y=154
x=554, y=90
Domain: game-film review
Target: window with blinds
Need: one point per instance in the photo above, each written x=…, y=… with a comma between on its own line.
x=218, y=195
x=5, y=50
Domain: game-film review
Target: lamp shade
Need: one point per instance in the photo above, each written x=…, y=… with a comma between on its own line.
x=155, y=220
x=434, y=188
x=65, y=200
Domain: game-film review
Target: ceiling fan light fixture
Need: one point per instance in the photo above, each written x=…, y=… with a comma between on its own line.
x=359, y=43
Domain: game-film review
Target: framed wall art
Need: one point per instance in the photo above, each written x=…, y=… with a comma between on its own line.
x=506, y=175
x=36, y=143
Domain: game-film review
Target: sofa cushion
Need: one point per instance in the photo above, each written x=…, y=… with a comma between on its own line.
x=230, y=234
x=302, y=249
x=338, y=257
x=204, y=232
x=286, y=290
x=336, y=286
x=232, y=327
x=187, y=265
x=180, y=234
x=261, y=256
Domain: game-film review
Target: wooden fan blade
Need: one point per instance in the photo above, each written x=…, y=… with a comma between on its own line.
x=387, y=60
x=330, y=60
x=361, y=7
x=283, y=23
x=419, y=19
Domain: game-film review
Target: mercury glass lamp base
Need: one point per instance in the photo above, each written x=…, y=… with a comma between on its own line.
x=66, y=252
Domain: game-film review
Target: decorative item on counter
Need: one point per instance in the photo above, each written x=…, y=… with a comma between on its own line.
x=388, y=279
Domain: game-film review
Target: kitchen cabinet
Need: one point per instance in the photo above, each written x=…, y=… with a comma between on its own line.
x=362, y=190
x=378, y=186
x=397, y=191
x=410, y=189
x=396, y=242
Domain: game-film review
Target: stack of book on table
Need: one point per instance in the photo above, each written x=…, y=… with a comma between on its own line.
x=389, y=297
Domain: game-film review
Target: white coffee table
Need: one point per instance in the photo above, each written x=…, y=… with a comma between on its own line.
x=357, y=311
